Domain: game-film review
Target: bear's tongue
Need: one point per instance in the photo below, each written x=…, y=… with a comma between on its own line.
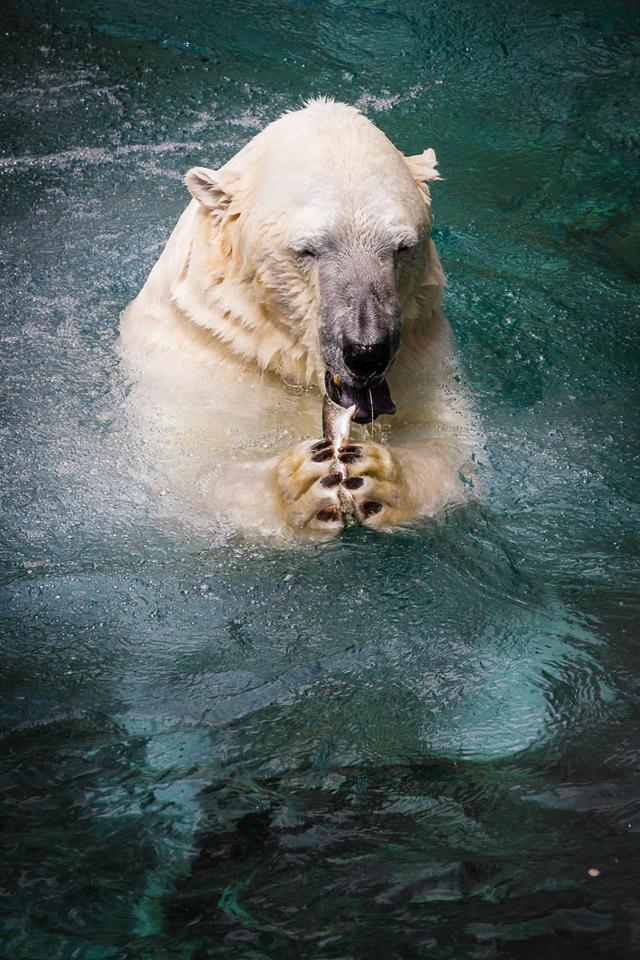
x=370, y=402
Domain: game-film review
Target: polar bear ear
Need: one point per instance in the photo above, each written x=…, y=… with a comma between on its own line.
x=424, y=166
x=208, y=187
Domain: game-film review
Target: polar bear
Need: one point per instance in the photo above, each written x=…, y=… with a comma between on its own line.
x=305, y=263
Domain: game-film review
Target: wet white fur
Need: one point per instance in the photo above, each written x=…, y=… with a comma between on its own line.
x=221, y=342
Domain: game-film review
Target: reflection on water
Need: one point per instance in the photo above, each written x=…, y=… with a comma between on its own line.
x=411, y=746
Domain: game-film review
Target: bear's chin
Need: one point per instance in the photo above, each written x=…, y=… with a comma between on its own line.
x=370, y=402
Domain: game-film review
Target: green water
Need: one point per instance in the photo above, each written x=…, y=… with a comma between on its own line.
x=413, y=746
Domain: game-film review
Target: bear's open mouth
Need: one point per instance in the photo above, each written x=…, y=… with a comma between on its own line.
x=370, y=402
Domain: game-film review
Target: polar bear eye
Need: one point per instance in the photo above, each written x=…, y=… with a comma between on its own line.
x=304, y=252
x=406, y=245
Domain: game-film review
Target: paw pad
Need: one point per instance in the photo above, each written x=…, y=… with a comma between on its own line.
x=332, y=480
x=328, y=514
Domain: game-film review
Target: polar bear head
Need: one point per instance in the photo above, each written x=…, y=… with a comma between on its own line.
x=318, y=244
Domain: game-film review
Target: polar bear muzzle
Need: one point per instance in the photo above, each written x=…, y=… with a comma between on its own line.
x=359, y=328
x=370, y=402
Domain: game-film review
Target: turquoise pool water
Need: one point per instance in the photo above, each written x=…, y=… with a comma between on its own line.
x=414, y=746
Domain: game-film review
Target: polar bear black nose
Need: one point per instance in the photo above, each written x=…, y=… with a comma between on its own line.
x=367, y=360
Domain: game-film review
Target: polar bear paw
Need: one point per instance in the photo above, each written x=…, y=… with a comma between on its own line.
x=318, y=495
x=308, y=493
x=377, y=485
